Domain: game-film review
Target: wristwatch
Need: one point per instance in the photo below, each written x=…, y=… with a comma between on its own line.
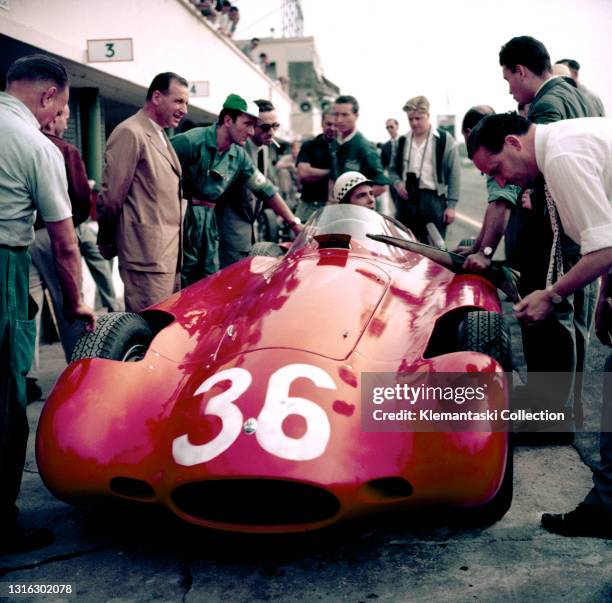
x=293, y=222
x=555, y=298
x=487, y=252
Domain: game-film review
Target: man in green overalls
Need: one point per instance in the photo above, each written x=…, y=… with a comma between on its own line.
x=212, y=158
x=32, y=178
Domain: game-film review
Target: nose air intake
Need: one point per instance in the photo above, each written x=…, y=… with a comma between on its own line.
x=257, y=502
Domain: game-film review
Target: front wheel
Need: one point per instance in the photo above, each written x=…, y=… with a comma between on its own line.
x=486, y=332
x=122, y=336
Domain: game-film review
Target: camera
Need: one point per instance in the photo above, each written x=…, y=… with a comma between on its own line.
x=412, y=187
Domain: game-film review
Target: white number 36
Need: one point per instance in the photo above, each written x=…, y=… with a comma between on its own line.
x=278, y=405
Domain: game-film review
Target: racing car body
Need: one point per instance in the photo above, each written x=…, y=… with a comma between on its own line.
x=242, y=409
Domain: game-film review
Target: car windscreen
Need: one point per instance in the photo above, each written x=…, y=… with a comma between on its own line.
x=346, y=226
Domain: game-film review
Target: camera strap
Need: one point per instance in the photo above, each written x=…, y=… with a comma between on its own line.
x=424, y=153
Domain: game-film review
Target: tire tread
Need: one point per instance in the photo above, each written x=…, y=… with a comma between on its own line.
x=110, y=327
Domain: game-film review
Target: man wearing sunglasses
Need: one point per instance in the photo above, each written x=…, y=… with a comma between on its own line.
x=237, y=214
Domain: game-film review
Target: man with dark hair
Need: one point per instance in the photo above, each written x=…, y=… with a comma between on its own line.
x=389, y=148
x=597, y=106
x=248, y=50
x=559, y=343
x=140, y=211
x=314, y=162
x=526, y=52
x=574, y=66
x=79, y=191
x=352, y=151
x=212, y=159
x=353, y=188
x=574, y=158
x=526, y=67
x=162, y=83
x=43, y=274
x=32, y=178
x=40, y=69
x=426, y=173
x=239, y=208
x=501, y=200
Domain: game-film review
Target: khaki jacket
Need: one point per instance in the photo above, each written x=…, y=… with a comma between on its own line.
x=140, y=208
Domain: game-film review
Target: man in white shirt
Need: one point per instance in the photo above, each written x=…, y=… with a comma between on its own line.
x=425, y=173
x=575, y=158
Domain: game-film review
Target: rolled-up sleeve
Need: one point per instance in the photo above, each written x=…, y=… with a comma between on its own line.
x=255, y=181
x=577, y=186
x=48, y=184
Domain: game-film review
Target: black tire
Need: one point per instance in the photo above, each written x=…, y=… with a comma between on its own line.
x=267, y=226
x=120, y=336
x=487, y=332
x=267, y=249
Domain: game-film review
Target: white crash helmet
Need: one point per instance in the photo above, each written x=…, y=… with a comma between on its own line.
x=346, y=183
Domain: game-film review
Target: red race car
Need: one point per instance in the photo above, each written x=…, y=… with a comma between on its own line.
x=237, y=402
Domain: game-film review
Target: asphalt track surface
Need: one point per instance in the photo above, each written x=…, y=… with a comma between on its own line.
x=144, y=555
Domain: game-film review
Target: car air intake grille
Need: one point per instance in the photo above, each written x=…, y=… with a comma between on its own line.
x=255, y=502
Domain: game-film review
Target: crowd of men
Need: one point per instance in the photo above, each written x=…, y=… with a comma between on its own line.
x=174, y=211
x=221, y=14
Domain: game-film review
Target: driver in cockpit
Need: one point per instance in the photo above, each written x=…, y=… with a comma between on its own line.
x=356, y=189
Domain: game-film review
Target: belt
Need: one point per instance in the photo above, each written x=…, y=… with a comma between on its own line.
x=14, y=247
x=202, y=203
x=315, y=202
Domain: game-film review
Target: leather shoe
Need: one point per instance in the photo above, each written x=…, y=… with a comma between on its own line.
x=33, y=391
x=584, y=520
x=22, y=540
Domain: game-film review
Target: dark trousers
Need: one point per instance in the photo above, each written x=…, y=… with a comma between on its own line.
x=429, y=207
x=101, y=269
x=396, y=202
x=44, y=276
x=17, y=335
x=601, y=494
x=200, y=244
x=559, y=343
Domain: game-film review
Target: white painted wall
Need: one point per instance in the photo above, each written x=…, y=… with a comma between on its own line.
x=168, y=35
x=284, y=50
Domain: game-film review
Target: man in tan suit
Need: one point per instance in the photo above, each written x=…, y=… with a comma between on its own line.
x=139, y=209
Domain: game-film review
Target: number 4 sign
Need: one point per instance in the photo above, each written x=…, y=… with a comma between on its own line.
x=277, y=406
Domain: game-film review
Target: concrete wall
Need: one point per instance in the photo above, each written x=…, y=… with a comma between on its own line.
x=168, y=35
x=285, y=50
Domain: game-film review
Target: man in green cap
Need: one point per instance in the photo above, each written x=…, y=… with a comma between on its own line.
x=212, y=158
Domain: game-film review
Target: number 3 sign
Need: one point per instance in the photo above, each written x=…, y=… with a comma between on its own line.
x=277, y=407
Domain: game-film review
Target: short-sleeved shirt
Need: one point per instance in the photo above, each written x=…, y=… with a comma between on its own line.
x=207, y=174
x=317, y=153
x=32, y=175
x=357, y=153
x=575, y=158
x=509, y=193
